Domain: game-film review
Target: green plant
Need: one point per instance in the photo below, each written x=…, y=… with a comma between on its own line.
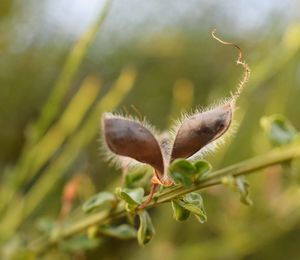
x=175, y=169
x=55, y=140
x=104, y=208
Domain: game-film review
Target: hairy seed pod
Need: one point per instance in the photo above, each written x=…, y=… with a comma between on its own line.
x=201, y=129
x=126, y=137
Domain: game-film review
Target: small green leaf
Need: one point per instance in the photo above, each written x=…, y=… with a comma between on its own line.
x=182, y=178
x=183, y=165
x=123, y=231
x=146, y=229
x=138, y=178
x=179, y=213
x=193, y=202
x=240, y=185
x=243, y=189
x=79, y=243
x=182, y=172
x=133, y=197
x=279, y=129
x=132, y=178
x=102, y=199
x=202, y=169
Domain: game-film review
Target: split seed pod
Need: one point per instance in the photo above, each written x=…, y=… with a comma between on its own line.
x=131, y=140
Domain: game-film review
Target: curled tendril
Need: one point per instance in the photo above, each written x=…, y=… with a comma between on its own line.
x=240, y=61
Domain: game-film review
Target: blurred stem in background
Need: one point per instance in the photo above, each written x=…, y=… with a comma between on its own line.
x=28, y=164
x=61, y=144
x=68, y=73
x=70, y=120
x=183, y=96
x=24, y=206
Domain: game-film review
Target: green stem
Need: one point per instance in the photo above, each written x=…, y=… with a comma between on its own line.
x=276, y=156
x=68, y=73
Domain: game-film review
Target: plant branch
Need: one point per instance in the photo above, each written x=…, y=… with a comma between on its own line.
x=276, y=156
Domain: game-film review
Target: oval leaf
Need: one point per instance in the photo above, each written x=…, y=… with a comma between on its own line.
x=243, y=189
x=134, y=178
x=133, y=197
x=279, y=129
x=102, y=199
x=121, y=232
x=179, y=213
x=193, y=202
x=202, y=169
x=240, y=185
x=182, y=172
x=146, y=229
x=79, y=243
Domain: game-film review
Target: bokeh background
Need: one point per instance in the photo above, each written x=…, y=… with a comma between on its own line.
x=61, y=66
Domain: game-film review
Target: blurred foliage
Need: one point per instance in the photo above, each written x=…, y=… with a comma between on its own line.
x=162, y=72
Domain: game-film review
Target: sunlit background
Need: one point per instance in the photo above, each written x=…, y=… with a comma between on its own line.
x=158, y=59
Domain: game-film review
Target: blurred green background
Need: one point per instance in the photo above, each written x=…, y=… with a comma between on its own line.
x=62, y=64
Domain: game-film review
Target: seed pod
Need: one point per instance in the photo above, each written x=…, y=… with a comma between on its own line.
x=126, y=137
x=201, y=129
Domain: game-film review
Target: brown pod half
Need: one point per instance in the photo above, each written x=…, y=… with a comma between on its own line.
x=201, y=129
x=129, y=138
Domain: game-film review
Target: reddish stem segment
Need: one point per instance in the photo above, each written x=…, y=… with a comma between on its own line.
x=155, y=182
x=150, y=196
